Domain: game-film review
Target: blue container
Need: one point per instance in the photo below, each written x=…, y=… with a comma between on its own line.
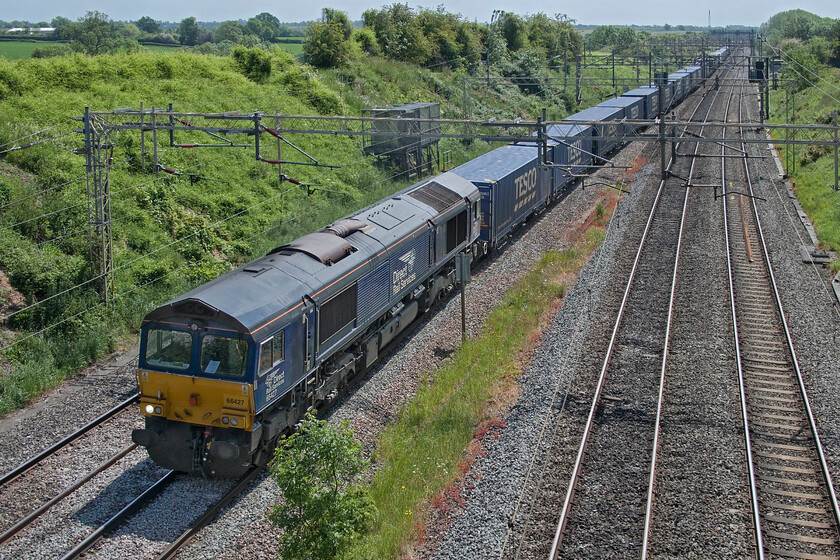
x=512, y=186
x=571, y=149
x=695, y=78
x=604, y=137
x=634, y=109
x=679, y=79
x=650, y=98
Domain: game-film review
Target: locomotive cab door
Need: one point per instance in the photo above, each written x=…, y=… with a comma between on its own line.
x=309, y=326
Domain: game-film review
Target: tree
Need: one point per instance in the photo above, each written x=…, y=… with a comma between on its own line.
x=835, y=43
x=228, y=31
x=265, y=26
x=514, y=31
x=269, y=19
x=148, y=25
x=188, y=31
x=97, y=34
x=398, y=33
x=63, y=28
x=324, y=507
x=329, y=15
x=325, y=45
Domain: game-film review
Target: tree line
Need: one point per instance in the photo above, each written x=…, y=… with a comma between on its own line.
x=436, y=38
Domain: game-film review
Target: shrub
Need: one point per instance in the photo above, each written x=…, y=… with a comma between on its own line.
x=367, y=41
x=324, y=508
x=50, y=51
x=325, y=45
x=255, y=64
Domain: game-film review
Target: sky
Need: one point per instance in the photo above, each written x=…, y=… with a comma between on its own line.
x=603, y=12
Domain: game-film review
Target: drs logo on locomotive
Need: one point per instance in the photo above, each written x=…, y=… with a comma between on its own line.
x=526, y=189
x=404, y=273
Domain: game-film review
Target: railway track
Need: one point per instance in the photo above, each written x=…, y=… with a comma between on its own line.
x=611, y=516
x=32, y=462
x=12, y=481
x=794, y=506
x=88, y=545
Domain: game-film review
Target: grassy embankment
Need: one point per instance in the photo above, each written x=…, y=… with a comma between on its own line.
x=421, y=457
x=814, y=170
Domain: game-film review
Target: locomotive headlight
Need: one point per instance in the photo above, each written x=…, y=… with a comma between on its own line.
x=150, y=409
x=158, y=410
x=234, y=421
x=225, y=419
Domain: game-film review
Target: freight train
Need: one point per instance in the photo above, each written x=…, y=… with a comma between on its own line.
x=229, y=367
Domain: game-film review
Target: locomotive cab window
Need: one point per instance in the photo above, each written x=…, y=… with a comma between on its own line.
x=222, y=355
x=167, y=348
x=271, y=352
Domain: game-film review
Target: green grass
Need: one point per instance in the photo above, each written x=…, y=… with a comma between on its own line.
x=14, y=50
x=814, y=169
x=294, y=48
x=423, y=452
x=170, y=233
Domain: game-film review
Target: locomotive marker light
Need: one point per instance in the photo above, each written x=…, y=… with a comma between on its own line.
x=462, y=276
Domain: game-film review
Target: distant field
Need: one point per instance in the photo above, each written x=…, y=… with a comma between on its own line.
x=294, y=48
x=19, y=49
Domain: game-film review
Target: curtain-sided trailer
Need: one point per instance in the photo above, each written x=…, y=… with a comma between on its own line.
x=512, y=185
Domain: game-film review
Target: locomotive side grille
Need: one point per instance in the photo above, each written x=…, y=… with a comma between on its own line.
x=456, y=231
x=337, y=313
x=373, y=292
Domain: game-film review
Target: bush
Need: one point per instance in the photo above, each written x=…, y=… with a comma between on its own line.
x=324, y=508
x=367, y=41
x=325, y=45
x=255, y=64
x=49, y=51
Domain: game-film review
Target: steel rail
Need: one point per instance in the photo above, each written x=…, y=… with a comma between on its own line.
x=564, y=514
x=665, y=351
x=120, y=516
x=209, y=515
x=35, y=514
x=741, y=382
x=30, y=463
x=795, y=361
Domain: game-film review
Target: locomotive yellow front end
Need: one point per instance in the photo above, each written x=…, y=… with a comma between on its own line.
x=197, y=399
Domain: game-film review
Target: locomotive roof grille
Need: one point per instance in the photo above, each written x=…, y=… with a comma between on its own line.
x=435, y=195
